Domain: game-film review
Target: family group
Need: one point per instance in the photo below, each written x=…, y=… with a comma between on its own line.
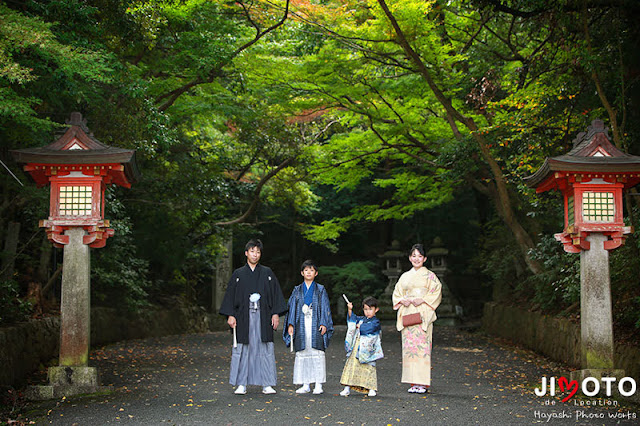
x=253, y=304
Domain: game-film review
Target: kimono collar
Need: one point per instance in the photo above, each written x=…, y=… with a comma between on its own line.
x=308, y=293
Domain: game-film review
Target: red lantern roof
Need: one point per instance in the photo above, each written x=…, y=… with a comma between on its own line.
x=79, y=150
x=592, y=153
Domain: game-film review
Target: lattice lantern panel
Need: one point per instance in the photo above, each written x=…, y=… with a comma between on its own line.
x=598, y=207
x=76, y=199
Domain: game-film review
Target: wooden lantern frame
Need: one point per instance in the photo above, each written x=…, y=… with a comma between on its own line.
x=97, y=187
x=577, y=225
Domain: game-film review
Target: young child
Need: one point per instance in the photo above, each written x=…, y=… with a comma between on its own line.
x=309, y=324
x=363, y=346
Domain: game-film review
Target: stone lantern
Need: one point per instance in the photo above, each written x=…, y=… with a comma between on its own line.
x=392, y=258
x=77, y=167
x=437, y=257
x=591, y=178
x=449, y=310
x=393, y=268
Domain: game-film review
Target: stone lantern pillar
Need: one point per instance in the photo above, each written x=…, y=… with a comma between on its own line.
x=77, y=167
x=591, y=178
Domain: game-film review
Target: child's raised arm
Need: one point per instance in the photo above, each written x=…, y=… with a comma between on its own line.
x=349, y=305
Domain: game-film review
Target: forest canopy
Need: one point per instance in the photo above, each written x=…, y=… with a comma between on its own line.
x=328, y=128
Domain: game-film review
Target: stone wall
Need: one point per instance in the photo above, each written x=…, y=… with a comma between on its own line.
x=25, y=347
x=108, y=327
x=556, y=338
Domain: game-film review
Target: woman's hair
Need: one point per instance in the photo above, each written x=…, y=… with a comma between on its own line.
x=308, y=264
x=418, y=247
x=370, y=301
x=253, y=243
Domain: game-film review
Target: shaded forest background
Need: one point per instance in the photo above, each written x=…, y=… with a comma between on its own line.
x=328, y=129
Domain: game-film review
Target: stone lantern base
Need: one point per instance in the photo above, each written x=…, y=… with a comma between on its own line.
x=67, y=381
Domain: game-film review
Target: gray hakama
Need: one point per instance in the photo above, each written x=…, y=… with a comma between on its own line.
x=255, y=363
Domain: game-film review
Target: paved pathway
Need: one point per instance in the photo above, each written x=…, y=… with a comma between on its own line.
x=183, y=380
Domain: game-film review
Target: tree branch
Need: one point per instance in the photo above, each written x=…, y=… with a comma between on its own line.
x=256, y=194
x=617, y=139
x=499, y=6
x=172, y=96
x=525, y=241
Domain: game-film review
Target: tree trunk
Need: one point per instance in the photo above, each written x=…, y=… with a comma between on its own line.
x=51, y=282
x=224, y=269
x=525, y=242
x=10, y=250
x=45, y=260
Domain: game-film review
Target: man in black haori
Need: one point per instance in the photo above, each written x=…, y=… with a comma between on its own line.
x=253, y=304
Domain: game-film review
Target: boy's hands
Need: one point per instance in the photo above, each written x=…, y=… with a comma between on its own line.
x=231, y=321
x=350, y=306
x=322, y=328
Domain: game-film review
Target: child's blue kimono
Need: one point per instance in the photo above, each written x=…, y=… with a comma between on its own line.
x=370, y=332
x=319, y=301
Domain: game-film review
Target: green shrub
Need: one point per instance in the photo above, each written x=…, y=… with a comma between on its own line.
x=12, y=308
x=559, y=285
x=119, y=278
x=355, y=279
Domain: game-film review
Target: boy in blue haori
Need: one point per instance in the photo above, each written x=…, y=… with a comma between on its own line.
x=309, y=324
x=363, y=346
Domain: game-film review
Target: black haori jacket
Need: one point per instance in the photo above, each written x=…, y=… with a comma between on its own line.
x=242, y=283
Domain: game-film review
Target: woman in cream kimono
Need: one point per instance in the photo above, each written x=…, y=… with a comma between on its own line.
x=417, y=291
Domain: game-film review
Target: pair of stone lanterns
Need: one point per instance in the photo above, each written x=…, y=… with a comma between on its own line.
x=78, y=168
x=591, y=178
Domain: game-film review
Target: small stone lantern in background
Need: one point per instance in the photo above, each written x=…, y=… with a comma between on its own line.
x=449, y=310
x=393, y=268
x=437, y=257
x=78, y=168
x=392, y=258
x=591, y=178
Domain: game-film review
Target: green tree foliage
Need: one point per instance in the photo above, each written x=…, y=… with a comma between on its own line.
x=33, y=58
x=159, y=77
x=413, y=83
x=356, y=280
x=397, y=119
x=119, y=277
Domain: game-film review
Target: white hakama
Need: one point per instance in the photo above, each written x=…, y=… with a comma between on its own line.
x=309, y=366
